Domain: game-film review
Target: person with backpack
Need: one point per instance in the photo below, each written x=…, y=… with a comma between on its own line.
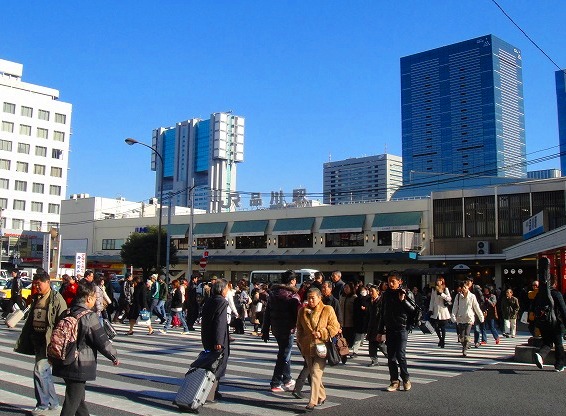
x=394, y=320
x=91, y=338
x=550, y=316
x=47, y=306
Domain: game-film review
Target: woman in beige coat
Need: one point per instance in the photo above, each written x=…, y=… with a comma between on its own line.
x=316, y=323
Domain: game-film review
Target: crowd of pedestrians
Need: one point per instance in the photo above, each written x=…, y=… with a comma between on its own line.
x=310, y=315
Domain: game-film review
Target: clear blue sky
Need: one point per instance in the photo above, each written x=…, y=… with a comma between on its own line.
x=314, y=79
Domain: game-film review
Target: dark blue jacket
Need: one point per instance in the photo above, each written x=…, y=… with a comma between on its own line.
x=281, y=313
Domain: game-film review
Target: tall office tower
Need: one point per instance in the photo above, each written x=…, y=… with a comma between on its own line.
x=561, y=105
x=34, y=152
x=462, y=111
x=203, y=154
x=362, y=179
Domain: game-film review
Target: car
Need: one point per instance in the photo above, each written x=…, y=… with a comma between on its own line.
x=4, y=274
x=6, y=293
x=3, y=282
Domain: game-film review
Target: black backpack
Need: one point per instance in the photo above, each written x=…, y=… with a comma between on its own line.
x=544, y=315
x=415, y=318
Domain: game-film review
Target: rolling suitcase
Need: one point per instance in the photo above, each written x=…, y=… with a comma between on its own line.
x=13, y=318
x=195, y=389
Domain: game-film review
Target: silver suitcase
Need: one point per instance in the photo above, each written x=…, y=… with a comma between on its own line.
x=13, y=318
x=195, y=389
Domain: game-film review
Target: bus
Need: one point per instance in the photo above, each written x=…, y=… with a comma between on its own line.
x=274, y=276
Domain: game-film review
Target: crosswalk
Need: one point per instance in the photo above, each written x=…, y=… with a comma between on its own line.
x=152, y=368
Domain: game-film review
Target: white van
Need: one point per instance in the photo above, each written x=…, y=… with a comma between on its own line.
x=274, y=276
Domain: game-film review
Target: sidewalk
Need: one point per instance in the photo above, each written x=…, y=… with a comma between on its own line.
x=499, y=390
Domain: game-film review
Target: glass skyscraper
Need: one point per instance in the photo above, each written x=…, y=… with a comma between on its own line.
x=203, y=153
x=462, y=112
x=561, y=105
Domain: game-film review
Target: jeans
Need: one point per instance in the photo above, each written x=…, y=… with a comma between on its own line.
x=490, y=324
x=396, y=342
x=43, y=384
x=155, y=309
x=181, y=318
x=282, y=371
x=479, y=328
x=74, y=403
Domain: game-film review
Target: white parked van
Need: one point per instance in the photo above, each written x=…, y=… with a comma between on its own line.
x=274, y=276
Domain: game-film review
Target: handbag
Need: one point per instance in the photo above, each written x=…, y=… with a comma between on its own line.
x=144, y=315
x=525, y=317
x=321, y=349
x=208, y=360
x=332, y=357
x=341, y=345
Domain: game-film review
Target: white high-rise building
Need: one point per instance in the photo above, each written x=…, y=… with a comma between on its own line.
x=370, y=178
x=34, y=152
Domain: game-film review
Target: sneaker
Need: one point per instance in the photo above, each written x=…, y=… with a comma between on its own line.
x=559, y=370
x=162, y=331
x=407, y=385
x=54, y=410
x=185, y=333
x=538, y=360
x=483, y=343
x=277, y=389
x=290, y=385
x=157, y=320
x=506, y=335
x=38, y=411
x=393, y=386
x=497, y=341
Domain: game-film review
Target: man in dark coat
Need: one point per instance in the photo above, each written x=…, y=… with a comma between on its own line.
x=281, y=318
x=214, y=330
x=329, y=299
x=552, y=334
x=16, y=291
x=394, y=313
x=91, y=339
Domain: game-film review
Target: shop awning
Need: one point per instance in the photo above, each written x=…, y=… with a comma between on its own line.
x=177, y=230
x=209, y=229
x=251, y=228
x=343, y=224
x=286, y=226
x=397, y=221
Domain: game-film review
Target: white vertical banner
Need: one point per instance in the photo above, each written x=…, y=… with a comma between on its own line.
x=80, y=263
x=46, y=263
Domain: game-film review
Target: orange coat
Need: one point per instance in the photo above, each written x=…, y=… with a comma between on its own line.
x=323, y=319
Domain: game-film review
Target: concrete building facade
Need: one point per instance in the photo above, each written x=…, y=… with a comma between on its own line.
x=34, y=154
x=371, y=178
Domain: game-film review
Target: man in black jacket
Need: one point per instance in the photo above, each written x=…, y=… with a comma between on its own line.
x=553, y=334
x=393, y=319
x=281, y=317
x=214, y=331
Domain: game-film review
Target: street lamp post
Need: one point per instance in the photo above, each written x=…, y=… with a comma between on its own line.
x=131, y=142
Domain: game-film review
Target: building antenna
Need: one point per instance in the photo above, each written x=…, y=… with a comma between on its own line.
x=385, y=148
x=330, y=157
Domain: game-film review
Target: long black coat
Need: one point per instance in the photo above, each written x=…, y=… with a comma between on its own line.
x=140, y=300
x=361, y=316
x=214, y=329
